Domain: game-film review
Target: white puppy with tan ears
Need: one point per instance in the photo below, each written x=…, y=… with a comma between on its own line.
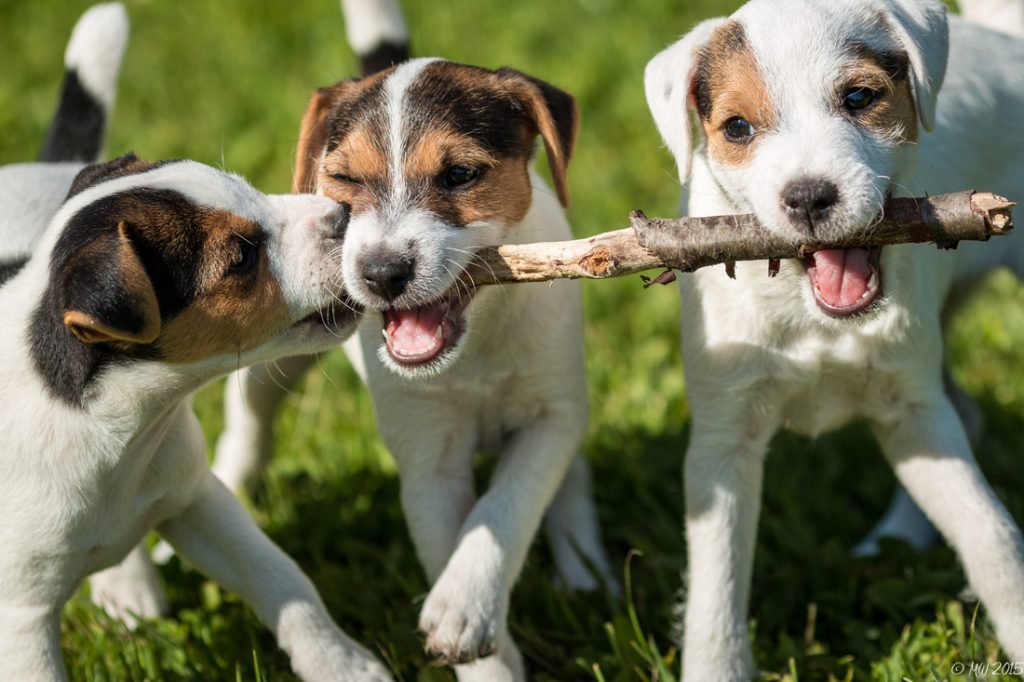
x=809, y=113
x=150, y=281
x=435, y=158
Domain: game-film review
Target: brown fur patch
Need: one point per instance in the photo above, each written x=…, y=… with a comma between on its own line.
x=230, y=313
x=893, y=114
x=502, y=192
x=357, y=169
x=729, y=85
x=330, y=114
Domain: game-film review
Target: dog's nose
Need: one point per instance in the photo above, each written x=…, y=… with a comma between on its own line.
x=337, y=221
x=808, y=201
x=387, y=277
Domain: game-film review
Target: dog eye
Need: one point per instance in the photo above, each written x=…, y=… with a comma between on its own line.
x=856, y=99
x=245, y=256
x=458, y=176
x=341, y=177
x=738, y=130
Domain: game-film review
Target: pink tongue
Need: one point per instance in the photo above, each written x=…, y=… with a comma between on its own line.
x=412, y=334
x=841, y=275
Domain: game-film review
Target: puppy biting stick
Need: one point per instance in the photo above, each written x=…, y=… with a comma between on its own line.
x=690, y=243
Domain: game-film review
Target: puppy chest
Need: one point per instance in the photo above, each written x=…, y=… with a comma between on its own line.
x=834, y=398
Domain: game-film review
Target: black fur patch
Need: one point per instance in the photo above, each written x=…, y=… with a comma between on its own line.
x=383, y=56
x=9, y=268
x=166, y=232
x=440, y=98
x=79, y=126
x=356, y=111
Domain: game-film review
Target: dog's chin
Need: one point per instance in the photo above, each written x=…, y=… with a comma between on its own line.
x=325, y=327
x=845, y=284
x=426, y=339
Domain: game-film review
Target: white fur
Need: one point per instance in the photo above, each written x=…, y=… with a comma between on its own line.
x=759, y=353
x=80, y=486
x=95, y=49
x=368, y=23
x=513, y=387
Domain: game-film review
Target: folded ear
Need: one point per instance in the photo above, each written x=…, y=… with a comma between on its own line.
x=923, y=30
x=95, y=173
x=556, y=118
x=668, y=83
x=313, y=133
x=106, y=293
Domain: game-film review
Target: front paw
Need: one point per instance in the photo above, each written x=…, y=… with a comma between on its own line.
x=462, y=618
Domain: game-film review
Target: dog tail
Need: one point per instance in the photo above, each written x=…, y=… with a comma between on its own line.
x=999, y=15
x=92, y=63
x=376, y=31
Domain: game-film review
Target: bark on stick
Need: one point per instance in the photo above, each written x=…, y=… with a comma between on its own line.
x=690, y=243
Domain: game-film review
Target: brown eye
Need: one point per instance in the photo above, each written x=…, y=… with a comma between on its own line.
x=738, y=130
x=458, y=176
x=856, y=99
x=245, y=256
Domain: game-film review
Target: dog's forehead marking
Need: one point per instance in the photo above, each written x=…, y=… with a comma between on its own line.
x=396, y=89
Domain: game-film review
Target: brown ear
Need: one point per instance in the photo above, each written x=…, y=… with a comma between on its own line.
x=107, y=294
x=313, y=133
x=554, y=113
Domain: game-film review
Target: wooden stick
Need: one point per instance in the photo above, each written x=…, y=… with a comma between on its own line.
x=690, y=243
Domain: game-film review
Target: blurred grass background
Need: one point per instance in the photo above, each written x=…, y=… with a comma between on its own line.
x=226, y=83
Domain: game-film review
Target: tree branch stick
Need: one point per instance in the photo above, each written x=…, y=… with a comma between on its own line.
x=690, y=243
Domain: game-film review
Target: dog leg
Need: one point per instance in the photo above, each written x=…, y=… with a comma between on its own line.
x=464, y=615
x=723, y=473
x=928, y=448
x=251, y=399
x=903, y=519
x=575, y=535
x=130, y=591
x=30, y=643
x=217, y=535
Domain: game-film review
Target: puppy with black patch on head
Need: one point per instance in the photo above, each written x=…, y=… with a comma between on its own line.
x=147, y=282
x=434, y=158
x=152, y=280
x=808, y=114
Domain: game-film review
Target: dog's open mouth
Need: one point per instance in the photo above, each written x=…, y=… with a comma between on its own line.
x=845, y=282
x=417, y=336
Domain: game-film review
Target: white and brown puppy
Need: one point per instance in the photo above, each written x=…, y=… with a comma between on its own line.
x=151, y=280
x=434, y=158
x=809, y=113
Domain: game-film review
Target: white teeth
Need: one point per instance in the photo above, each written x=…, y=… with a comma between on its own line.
x=438, y=333
x=873, y=282
x=384, y=333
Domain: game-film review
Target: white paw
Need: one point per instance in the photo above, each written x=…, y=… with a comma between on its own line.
x=126, y=597
x=463, y=616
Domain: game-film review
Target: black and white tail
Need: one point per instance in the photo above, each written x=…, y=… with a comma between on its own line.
x=92, y=63
x=376, y=31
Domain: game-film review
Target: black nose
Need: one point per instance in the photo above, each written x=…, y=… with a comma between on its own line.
x=387, y=276
x=808, y=201
x=337, y=221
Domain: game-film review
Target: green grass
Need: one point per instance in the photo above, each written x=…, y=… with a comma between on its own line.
x=226, y=83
